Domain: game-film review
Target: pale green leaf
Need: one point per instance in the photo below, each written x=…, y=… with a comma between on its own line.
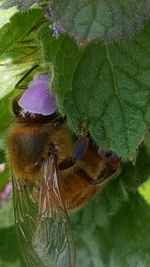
x=20, y=4
x=18, y=28
x=5, y=15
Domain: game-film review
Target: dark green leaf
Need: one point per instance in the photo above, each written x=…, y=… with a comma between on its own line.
x=2, y=156
x=105, y=20
x=6, y=214
x=9, y=251
x=5, y=114
x=118, y=241
x=108, y=84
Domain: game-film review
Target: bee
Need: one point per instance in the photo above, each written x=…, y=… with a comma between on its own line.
x=53, y=173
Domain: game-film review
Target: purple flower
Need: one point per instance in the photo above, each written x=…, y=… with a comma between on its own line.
x=37, y=97
x=49, y=13
x=57, y=29
x=5, y=192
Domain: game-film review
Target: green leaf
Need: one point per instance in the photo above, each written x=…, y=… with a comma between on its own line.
x=7, y=215
x=119, y=240
x=64, y=54
x=5, y=114
x=9, y=251
x=20, y=25
x=104, y=20
x=4, y=176
x=15, y=63
x=19, y=50
x=108, y=84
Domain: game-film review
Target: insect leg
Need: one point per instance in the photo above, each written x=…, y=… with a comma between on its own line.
x=111, y=169
x=79, y=149
x=86, y=177
x=81, y=145
x=66, y=164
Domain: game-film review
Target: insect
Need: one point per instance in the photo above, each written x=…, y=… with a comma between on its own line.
x=53, y=172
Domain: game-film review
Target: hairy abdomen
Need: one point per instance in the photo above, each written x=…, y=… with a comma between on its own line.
x=25, y=149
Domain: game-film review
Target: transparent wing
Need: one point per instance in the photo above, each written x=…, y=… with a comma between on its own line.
x=53, y=239
x=43, y=228
x=25, y=211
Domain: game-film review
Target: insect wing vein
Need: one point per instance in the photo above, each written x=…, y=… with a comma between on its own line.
x=53, y=239
x=25, y=211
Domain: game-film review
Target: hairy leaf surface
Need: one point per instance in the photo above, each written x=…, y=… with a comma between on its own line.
x=103, y=20
x=108, y=84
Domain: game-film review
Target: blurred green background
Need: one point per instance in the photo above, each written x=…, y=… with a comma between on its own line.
x=111, y=231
